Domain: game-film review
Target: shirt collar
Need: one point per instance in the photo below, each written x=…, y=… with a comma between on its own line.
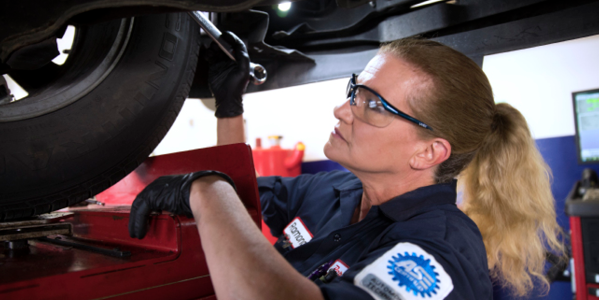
x=411, y=203
x=352, y=184
x=419, y=200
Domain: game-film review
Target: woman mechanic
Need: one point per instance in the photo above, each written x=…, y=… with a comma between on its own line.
x=420, y=115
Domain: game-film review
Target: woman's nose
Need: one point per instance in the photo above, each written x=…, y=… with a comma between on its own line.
x=343, y=112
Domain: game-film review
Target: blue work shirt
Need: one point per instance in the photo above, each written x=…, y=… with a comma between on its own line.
x=406, y=248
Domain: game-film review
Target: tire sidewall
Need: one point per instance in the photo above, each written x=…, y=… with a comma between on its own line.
x=83, y=148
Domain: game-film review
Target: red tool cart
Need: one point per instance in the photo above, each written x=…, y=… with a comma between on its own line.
x=86, y=252
x=582, y=206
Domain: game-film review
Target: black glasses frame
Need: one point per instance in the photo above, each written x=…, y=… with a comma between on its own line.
x=351, y=92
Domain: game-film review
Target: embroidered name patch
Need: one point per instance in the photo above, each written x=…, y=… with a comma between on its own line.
x=339, y=266
x=405, y=272
x=297, y=233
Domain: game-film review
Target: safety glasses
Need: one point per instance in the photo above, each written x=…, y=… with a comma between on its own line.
x=370, y=107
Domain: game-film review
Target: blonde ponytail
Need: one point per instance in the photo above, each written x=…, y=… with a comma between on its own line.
x=505, y=181
x=508, y=195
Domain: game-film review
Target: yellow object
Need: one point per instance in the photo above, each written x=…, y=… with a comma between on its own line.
x=300, y=146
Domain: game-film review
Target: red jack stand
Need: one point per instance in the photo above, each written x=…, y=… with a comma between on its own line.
x=86, y=253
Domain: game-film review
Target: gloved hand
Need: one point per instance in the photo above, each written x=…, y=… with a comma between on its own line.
x=170, y=193
x=228, y=79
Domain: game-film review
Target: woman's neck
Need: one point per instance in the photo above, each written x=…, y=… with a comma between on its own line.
x=380, y=188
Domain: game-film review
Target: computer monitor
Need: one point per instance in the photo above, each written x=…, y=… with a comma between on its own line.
x=586, y=114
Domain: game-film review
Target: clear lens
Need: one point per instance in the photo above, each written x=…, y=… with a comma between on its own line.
x=369, y=108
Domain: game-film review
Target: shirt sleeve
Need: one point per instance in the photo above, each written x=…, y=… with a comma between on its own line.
x=280, y=198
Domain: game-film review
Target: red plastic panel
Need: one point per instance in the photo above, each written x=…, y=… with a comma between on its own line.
x=168, y=264
x=234, y=160
x=57, y=272
x=110, y=224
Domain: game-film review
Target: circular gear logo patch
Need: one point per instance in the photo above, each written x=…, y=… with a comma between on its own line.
x=414, y=273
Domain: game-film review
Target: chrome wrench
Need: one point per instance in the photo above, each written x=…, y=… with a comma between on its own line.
x=257, y=72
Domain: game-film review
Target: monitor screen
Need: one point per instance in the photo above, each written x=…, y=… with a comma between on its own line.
x=586, y=114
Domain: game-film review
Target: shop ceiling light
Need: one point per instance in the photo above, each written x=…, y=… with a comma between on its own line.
x=429, y=2
x=284, y=6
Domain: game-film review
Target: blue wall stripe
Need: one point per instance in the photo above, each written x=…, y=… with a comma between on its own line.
x=313, y=167
x=560, y=155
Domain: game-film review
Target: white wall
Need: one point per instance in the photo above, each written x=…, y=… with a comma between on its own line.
x=194, y=128
x=300, y=113
x=539, y=82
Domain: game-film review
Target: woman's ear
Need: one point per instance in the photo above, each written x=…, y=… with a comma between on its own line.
x=434, y=153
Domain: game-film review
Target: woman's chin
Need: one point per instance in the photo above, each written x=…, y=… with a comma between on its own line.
x=332, y=152
x=328, y=149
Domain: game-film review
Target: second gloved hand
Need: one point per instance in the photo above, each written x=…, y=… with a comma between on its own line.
x=169, y=193
x=228, y=79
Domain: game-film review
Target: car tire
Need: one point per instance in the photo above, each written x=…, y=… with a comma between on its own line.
x=55, y=156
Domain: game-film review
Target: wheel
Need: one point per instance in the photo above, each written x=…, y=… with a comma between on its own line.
x=88, y=123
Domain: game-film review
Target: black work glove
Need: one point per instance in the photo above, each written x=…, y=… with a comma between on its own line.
x=228, y=79
x=170, y=193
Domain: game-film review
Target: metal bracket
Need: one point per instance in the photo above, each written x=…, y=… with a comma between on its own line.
x=41, y=226
x=115, y=252
x=34, y=231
